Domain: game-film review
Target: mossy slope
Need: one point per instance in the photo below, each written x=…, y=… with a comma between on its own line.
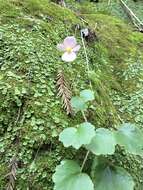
x=31, y=114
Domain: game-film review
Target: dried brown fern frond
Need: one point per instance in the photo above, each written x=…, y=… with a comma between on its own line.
x=64, y=92
x=12, y=174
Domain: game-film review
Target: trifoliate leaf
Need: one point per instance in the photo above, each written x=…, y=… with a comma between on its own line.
x=87, y=95
x=103, y=142
x=77, y=137
x=131, y=138
x=78, y=104
x=69, y=177
x=112, y=178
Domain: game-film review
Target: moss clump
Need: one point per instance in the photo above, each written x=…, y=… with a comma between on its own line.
x=31, y=114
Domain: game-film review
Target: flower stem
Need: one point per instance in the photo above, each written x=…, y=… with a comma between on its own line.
x=88, y=73
x=84, y=161
x=109, y=2
x=86, y=156
x=83, y=114
x=86, y=57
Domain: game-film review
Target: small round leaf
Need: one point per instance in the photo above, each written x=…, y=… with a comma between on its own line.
x=78, y=104
x=87, y=95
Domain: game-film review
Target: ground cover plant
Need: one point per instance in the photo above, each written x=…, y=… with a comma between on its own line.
x=57, y=118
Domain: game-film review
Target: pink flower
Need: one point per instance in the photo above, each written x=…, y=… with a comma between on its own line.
x=70, y=48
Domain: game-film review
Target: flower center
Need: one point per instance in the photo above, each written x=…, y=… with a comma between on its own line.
x=69, y=49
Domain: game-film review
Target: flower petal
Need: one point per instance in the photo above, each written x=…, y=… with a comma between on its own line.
x=76, y=48
x=61, y=47
x=69, y=57
x=70, y=41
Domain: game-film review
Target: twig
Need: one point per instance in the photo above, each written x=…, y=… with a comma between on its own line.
x=18, y=115
x=13, y=166
x=12, y=174
x=136, y=21
x=83, y=20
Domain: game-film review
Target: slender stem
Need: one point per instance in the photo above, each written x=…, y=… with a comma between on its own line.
x=84, y=161
x=88, y=73
x=63, y=3
x=86, y=57
x=109, y=2
x=37, y=152
x=83, y=114
x=86, y=156
x=18, y=115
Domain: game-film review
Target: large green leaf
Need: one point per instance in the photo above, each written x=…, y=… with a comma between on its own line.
x=78, y=104
x=69, y=177
x=77, y=137
x=131, y=138
x=87, y=95
x=111, y=178
x=103, y=142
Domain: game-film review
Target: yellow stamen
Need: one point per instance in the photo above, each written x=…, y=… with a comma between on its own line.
x=69, y=49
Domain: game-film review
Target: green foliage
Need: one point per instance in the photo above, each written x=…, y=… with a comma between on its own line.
x=111, y=177
x=100, y=142
x=79, y=103
x=130, y=137
x=87, y=95
x=31, y=115
x=103, y=142
x=68, y=176
x=76, y=137
x=115, y=9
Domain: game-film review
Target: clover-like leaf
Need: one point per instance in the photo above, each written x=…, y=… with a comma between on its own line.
x=111, y=178
x=78, y=104
x=131, y=138
x=69, y=177
x=103, y=142
x=87, y=95
x=77, y=137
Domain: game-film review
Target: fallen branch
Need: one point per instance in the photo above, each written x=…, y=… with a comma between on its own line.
x=12, y=174
x=135, y=20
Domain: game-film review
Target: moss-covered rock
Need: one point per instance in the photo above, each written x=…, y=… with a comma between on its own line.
x=31, y=114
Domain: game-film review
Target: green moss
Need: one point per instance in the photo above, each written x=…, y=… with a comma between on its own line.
x=118, y=44
x=3, y=171
x=41, y=8
x=7, y=9
x=31, y=114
